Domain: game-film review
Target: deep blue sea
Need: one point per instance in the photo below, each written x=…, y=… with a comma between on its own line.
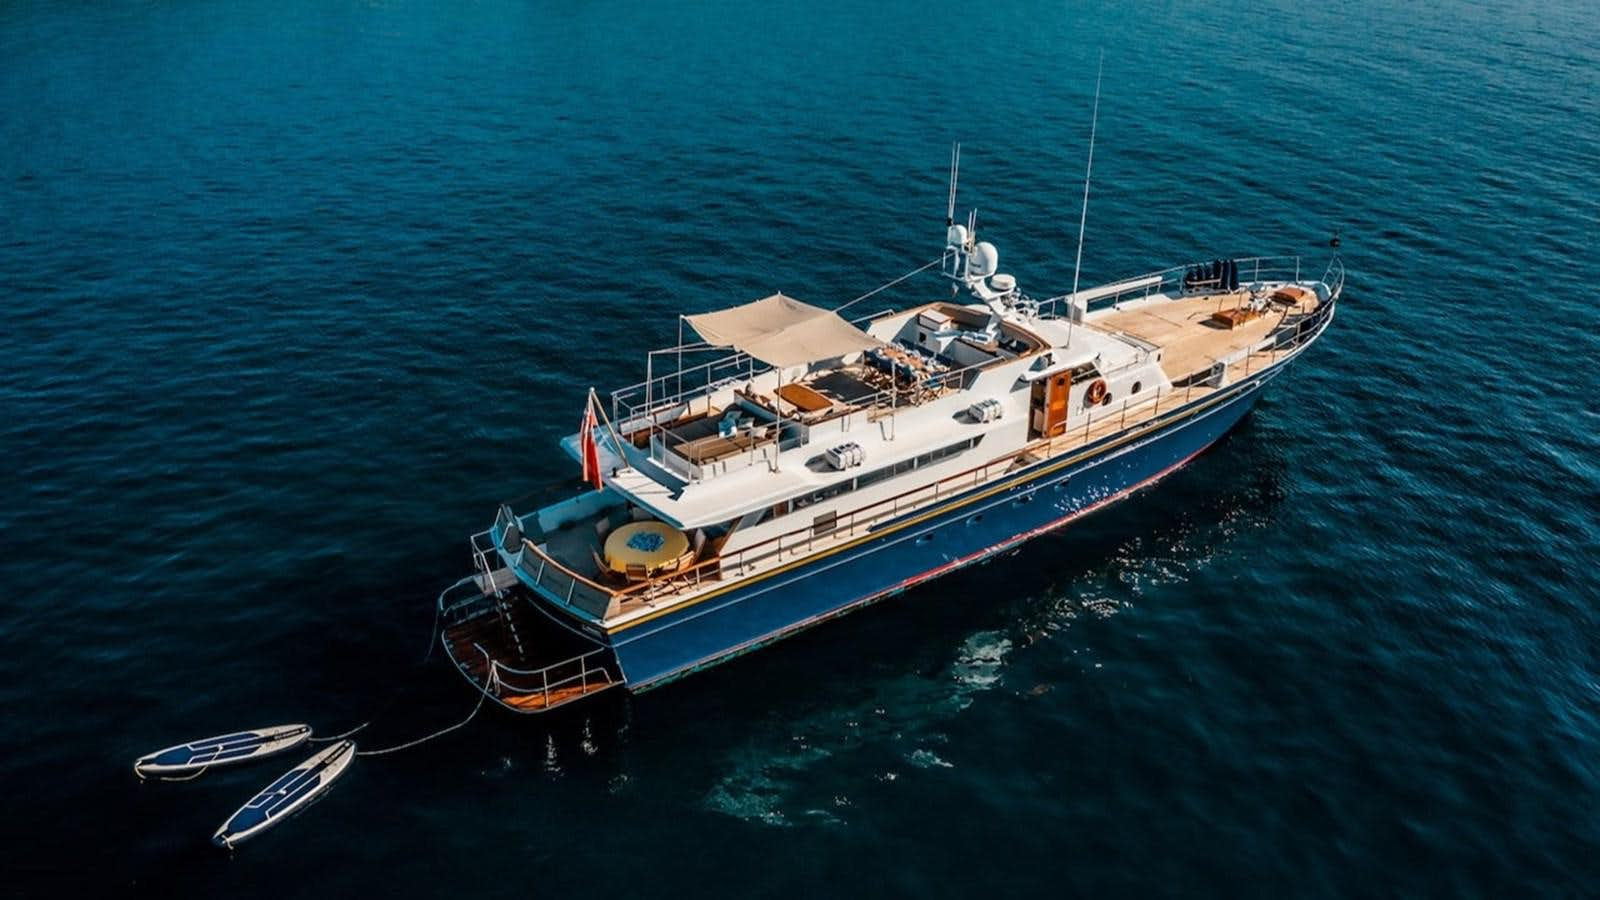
x=295, y=292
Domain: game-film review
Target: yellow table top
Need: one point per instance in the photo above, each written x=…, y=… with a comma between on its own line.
x=654, y=545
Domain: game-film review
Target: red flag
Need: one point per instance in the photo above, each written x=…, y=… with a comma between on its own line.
x=588, y=447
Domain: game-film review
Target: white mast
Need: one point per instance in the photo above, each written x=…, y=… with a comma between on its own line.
x=1083, y=217
x=955, y=171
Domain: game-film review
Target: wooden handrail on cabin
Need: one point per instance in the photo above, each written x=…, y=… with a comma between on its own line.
x=604, y=589
x=631, y=590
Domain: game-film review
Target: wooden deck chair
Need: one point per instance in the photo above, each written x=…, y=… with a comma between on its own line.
x=637, y=572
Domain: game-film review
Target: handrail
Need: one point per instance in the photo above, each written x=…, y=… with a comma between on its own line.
x=1048, y=444
x=1336, y=269
x=566, y=571
x=978, y=475
x=641, y=401
x=580, y=657
x=883, y=398
x=1295, y=339
x=740, y=557
x=1259, y=266
x=477, y=597
x=742, y=362
x=583, y=675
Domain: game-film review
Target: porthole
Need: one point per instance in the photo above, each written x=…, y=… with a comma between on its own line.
x=1136, y=386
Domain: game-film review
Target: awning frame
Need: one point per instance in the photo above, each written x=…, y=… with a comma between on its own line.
x=780, y=331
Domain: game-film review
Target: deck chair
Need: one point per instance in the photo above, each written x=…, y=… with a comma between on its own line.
x=637, y=572
x=602, y=528
x=699, y=542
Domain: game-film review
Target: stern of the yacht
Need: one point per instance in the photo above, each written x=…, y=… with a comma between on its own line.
x=514, y=652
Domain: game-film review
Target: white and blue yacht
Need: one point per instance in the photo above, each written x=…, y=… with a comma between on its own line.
x=793, y=464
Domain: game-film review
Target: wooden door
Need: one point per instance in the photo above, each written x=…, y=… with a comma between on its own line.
x=1055, y=410
x=1036, y=407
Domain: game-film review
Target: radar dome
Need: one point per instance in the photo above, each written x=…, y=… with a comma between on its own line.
x=1003, y=283
x=956, y=236
x=985, y=259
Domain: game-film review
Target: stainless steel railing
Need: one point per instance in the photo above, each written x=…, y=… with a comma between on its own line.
x=1251, y=269
x=563, y=583
x=554, y=677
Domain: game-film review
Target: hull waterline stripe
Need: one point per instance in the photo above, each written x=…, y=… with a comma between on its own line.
x=1002, y=546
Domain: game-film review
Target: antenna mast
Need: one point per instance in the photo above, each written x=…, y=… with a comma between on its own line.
x=1083, y=218
x=955, y=171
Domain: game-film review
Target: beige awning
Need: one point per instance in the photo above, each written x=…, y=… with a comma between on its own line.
x=782, y=331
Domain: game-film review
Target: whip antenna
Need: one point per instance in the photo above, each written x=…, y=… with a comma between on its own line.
x=955, y=171
x=1083, y=217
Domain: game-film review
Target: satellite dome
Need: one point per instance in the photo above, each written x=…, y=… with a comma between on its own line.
x=985, y=259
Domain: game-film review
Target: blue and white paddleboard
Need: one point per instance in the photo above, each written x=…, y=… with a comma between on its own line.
x=222, y=750
x=294, y=791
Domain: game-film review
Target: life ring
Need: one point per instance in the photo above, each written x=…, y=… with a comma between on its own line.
x=1097, y=392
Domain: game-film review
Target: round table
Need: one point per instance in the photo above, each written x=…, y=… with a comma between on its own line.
x=654, y=545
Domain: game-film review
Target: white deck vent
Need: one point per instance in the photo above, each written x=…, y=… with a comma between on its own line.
x=985, y=410
x=846, y=456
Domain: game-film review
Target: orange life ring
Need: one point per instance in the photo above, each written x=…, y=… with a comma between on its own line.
x=1097, y=392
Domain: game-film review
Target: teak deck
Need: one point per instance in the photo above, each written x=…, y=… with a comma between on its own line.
x=1190, y=342
x=512, y=635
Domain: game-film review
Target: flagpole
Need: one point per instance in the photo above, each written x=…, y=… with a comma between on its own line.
x=588, y=444
x=616, y=440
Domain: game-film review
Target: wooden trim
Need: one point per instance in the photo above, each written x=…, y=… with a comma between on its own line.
x=1128, y=437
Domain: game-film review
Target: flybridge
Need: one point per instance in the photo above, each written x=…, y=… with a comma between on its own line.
x=710, y=442
x=750, y=434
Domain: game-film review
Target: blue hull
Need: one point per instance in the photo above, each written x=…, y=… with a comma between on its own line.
x=920, y=546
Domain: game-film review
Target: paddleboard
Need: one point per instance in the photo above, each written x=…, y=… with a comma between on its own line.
x=222, y=750
x=298, y=788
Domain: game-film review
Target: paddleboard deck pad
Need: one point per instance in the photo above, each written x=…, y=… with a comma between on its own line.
x=298, y=788
x=222, y=750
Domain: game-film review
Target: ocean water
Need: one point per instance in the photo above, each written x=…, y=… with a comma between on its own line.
x=296, y=292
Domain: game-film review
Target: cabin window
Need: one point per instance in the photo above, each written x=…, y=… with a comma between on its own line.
x=873, y=477
x=826, y=493
x=1136, y=386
